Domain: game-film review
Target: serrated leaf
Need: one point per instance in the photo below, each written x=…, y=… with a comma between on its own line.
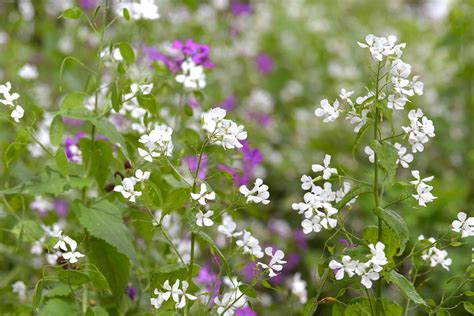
x=56, y=130
x=360, y=306
x=405, y=286
x=176, y=199
x=398, y=225
x=73, y=277
x=103, y=220
x=114, y=266
x=59, y=307
x=355, y=192
x=387, y=156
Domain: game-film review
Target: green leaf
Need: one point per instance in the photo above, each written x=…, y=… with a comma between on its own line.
x=248, y=290
x=359, y=136
x=405, y=286
x=355, y=192
x=60, y=290
x=126, y=14
x=59, y=307
x=109, y=130
x=126, y=50
x=337, y=309
x=468, y=306
x=116, y=97
x=360, y=306
x=62, y=162
x=176, y=199
x=114, y=266
x=102, y=157
x=73, y=277
x=48, y=182
x=27, y=229
x=398, y=225
x=73, y=100
x=72, y=13
x=97, y=278
x=152, y=196
x=38, y=293
x=103, y=220
x=387, y=156
x=56, y=130
x=148, y=102
x=205, y=237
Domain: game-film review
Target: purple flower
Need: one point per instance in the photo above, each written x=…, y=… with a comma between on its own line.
x=264, y=63
x=198, y=52
x=240, y=8
x=261, y=118
x=252, y=157
x=229, y=103
x=72, y=121
x=87, y=4
x=193, y=103
x=249, y=271
x=245, y=311
x=292, y=261
x=347, y=243
x=61, y=206
x=154, y=55
x=300, y=238
x=192, y=162
x=131, y=291
x=208, y=278
x=71, y=147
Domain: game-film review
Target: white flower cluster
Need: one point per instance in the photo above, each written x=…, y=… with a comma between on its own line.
x=192, y=76
x=39, y=245
x=127, y=188
x=463, y=225
x=298, y=288
x=404, y=159
x=382, y=47
x=233, y=296
x=403, y=87
x=317, y=207
x=368, y=271
x=140, y=9
x=157, y=143
x=176, y=292
x=131, y=107
x=8, y=99
x=423, y=191
x=419, y=131
x=204, y=219
x=222, y=131
x=435, y=255
x=276, y=261
x=67, y=247
x=259, y=193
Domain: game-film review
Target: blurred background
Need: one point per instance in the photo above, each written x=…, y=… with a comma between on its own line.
x=274, y=62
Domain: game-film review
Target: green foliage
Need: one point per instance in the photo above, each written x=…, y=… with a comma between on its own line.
x=405, y=286
x=387, y=156
x=56, y=130
x=362, y=306
x=396, y=223
x=389, y=239
x=72, y=13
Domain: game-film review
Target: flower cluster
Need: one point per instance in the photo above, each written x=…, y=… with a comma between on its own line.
x=418, y=131
x=317, y=207
x=368, y=271
x=423, y=190
x=157, y=143
x=9, y=99
x=259, y=193
x=434, y=255
x=131, y=108
x=67, y=248
x=463, y=225
x=140, y=9
x=222, y=131
x=127, y=188
x=176, y=292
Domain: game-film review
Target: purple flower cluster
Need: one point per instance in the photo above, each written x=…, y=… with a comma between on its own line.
x=192, y=162
x=71, y=147
x=239, y=8
x=199, y=53
x=264, y=64
x=252, y=157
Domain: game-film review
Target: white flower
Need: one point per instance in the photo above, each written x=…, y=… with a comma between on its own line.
x=368, y=276
x=202, y=196
x=423, y=191
x=222, y=131
x=330, y=113
x=306, y=182
x=185, y=296
x=41, y=204
x=140, y=9
x=463, y=225
x=28, y=72
x=222, y=304
x=396, y=101
x=326, y=218
x=127, y=188
x=228, y=227
x=347, y=266
x=298, y=288
x=250, y=245
x=403, y=158
x=369, y=152
x=72, y=256
x=381, y=47
x=20, y=288
x=345, y=95
x=360, y=120
x=64, y=241
x=418, y=132
x=378, y=259
x=437, y=256
x=341, y=193
x=276, y=261
x=312, y=224
x=141, y=176
x=173, y=292
x=204, y=219
x=192, y=76
x=327, y=171
x=259, y=193
x=157, y=143
x=157, y=301
x=8, y=97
